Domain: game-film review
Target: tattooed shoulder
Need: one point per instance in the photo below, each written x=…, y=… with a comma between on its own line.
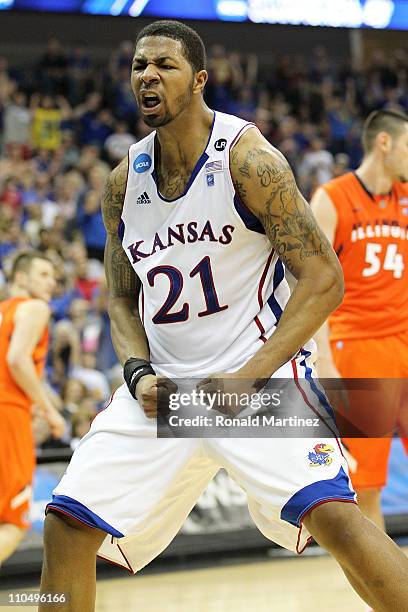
x=113, y=196
x=265, y=182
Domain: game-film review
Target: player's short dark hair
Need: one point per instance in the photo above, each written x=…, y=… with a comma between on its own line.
x=389, y=121
x=23, y=261
x=193, y=46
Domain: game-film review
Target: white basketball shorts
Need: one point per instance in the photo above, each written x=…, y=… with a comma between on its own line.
x=139, y=489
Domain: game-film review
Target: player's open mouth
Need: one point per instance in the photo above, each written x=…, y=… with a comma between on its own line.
x=150, y=103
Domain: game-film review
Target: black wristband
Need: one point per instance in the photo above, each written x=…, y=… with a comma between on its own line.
x=133, y=370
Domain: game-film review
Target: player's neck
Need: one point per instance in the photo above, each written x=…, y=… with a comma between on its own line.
x=375, y=179
x=182, y=141
x=16, y=291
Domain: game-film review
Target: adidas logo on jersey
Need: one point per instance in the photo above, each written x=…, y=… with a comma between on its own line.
x=143, y=199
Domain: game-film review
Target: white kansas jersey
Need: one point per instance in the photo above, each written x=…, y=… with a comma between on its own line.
x=213, y=289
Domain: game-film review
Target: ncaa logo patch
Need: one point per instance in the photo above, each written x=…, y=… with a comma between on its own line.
x=142, y=163
x=220, y=144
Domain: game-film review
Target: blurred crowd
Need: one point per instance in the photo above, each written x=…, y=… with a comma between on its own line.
x=66, y=122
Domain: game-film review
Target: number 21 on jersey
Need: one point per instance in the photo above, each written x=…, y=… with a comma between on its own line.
x=204, y=271
x=376, y=260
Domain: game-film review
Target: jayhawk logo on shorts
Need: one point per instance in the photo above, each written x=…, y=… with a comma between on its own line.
x=320, y=456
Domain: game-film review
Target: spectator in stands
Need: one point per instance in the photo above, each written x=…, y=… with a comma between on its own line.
x=48, y=114
x=105, y=356
x=221, y=81
x=10, y=197
x=95, y=122
x=78, y=73
x=340, y=122
x=86, y=273
x=73, y=393
x=124, y=103
x=67, y=189
x=65, y=351
x=341, y=164
x=17, y=121
x=90, y=155
x=11, y=237
x=245, y=105
x=63, y=296
x=122, y=58
x=70, y=152
x=118, y=143
x=95, y=381
x=13, y=164
x=81, y=422
x=7, y=85
x=52, y=68
x=316, y=166
x=89, y=219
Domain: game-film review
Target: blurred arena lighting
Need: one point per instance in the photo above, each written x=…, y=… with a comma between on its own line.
x=137, y=8
x=378, y=14
x=117, y=7
x=342, y=13
x=232, y=9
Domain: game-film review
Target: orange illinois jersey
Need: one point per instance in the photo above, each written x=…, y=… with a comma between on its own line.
x=371, y=242
x=10, y=393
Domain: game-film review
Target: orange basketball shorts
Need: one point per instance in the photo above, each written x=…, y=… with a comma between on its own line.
x=376, y=358
x=17, y=462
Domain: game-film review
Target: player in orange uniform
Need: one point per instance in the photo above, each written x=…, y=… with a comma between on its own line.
x=23, y=348
x=365, y=216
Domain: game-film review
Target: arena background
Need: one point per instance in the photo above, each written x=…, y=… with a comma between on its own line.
x=67, y=115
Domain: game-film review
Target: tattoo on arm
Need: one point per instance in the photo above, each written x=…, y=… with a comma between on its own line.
x=113, y=196
x=249, y=158
x=287, y=218
x=239, y=186
x=121, y=278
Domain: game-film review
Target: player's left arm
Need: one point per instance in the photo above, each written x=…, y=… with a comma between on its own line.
x=30, y=321
x=265, y=183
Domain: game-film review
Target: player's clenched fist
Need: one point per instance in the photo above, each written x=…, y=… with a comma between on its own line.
x=146, y=395
x=227, y=389
x=141, y=381
x=151, y=392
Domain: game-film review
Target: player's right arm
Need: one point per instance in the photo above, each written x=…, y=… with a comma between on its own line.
x=128, y=335
x=30, y=320
x=326, y=215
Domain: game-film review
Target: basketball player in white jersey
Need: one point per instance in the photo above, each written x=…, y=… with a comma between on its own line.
x=202, y=219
